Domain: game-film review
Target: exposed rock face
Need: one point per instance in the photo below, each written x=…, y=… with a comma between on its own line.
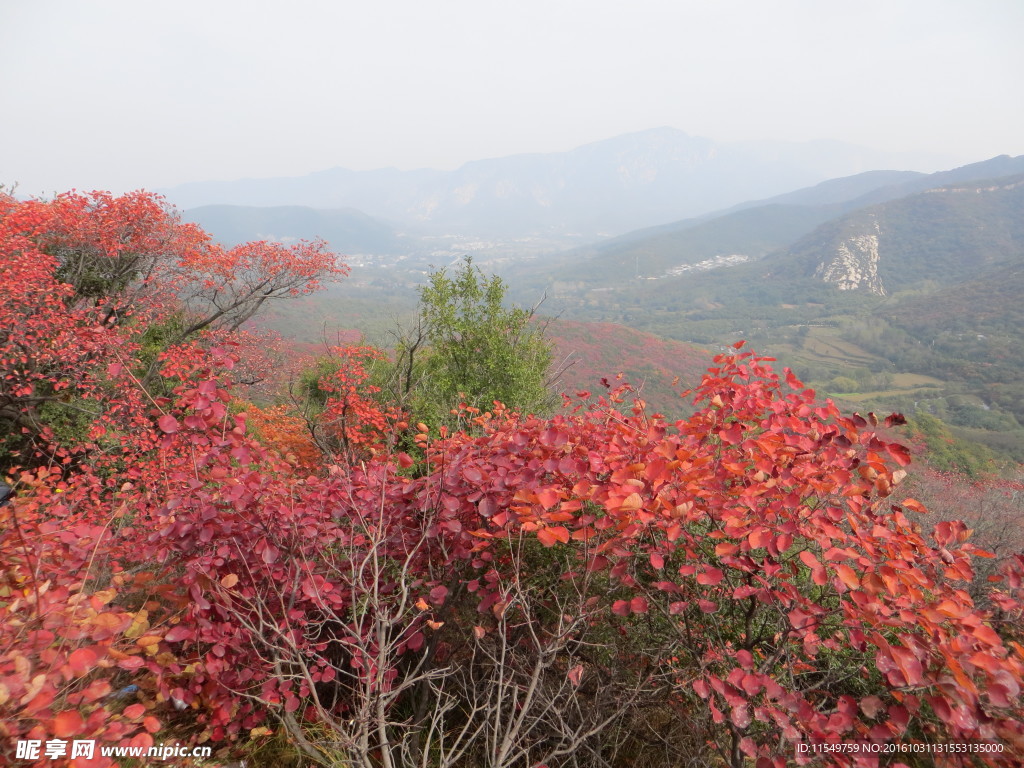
x=854, y=266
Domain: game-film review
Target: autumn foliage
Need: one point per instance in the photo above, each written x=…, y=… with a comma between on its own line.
x=598, y=587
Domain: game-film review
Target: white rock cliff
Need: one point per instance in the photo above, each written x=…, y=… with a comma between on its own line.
x=854, y=266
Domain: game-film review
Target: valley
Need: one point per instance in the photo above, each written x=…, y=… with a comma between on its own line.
x=885, y=290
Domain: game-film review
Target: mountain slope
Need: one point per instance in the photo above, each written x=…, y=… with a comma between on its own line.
x=944, y=236
x=693, y=245
x=835, y=241
x=595, y=351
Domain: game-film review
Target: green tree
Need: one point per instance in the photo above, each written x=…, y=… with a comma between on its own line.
x=470, y=348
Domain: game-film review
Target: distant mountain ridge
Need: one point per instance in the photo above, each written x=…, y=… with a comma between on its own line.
x=607, y=187
x=346, y=230
x=809, y=226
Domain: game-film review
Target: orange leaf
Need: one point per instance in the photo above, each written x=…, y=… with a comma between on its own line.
x=726, y=548
x=914, y=506
x=809, y=560
x=82, y=660
x=66, y=724
x=558, y=533
x=545, y=537
x=847, y=576
x=547, y=498
x=632, y=502
x=758, y=538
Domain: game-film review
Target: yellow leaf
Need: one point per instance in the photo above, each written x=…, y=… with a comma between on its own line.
x=139, y=624
x=35, y=685
x=99, y=599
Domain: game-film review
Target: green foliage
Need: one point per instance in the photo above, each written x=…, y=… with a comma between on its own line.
x=309, y=389
x=949, y=453
x=477, y=350
x=95, y=275
x=843, y=384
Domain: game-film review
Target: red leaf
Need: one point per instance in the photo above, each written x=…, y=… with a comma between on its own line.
x=178, y=632
x=710, y=576
x=941, y=707
x=759, y=537
x=66, y=724
x=740, y=716
x=899, y=453
x=82, y=660
x=168, y=424
x=871, y=705
x=575, y=675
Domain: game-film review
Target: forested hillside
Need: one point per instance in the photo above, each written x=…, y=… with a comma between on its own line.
x=906, y=304
x=419, y=556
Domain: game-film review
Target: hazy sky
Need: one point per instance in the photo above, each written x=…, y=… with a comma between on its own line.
x=122, y=94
